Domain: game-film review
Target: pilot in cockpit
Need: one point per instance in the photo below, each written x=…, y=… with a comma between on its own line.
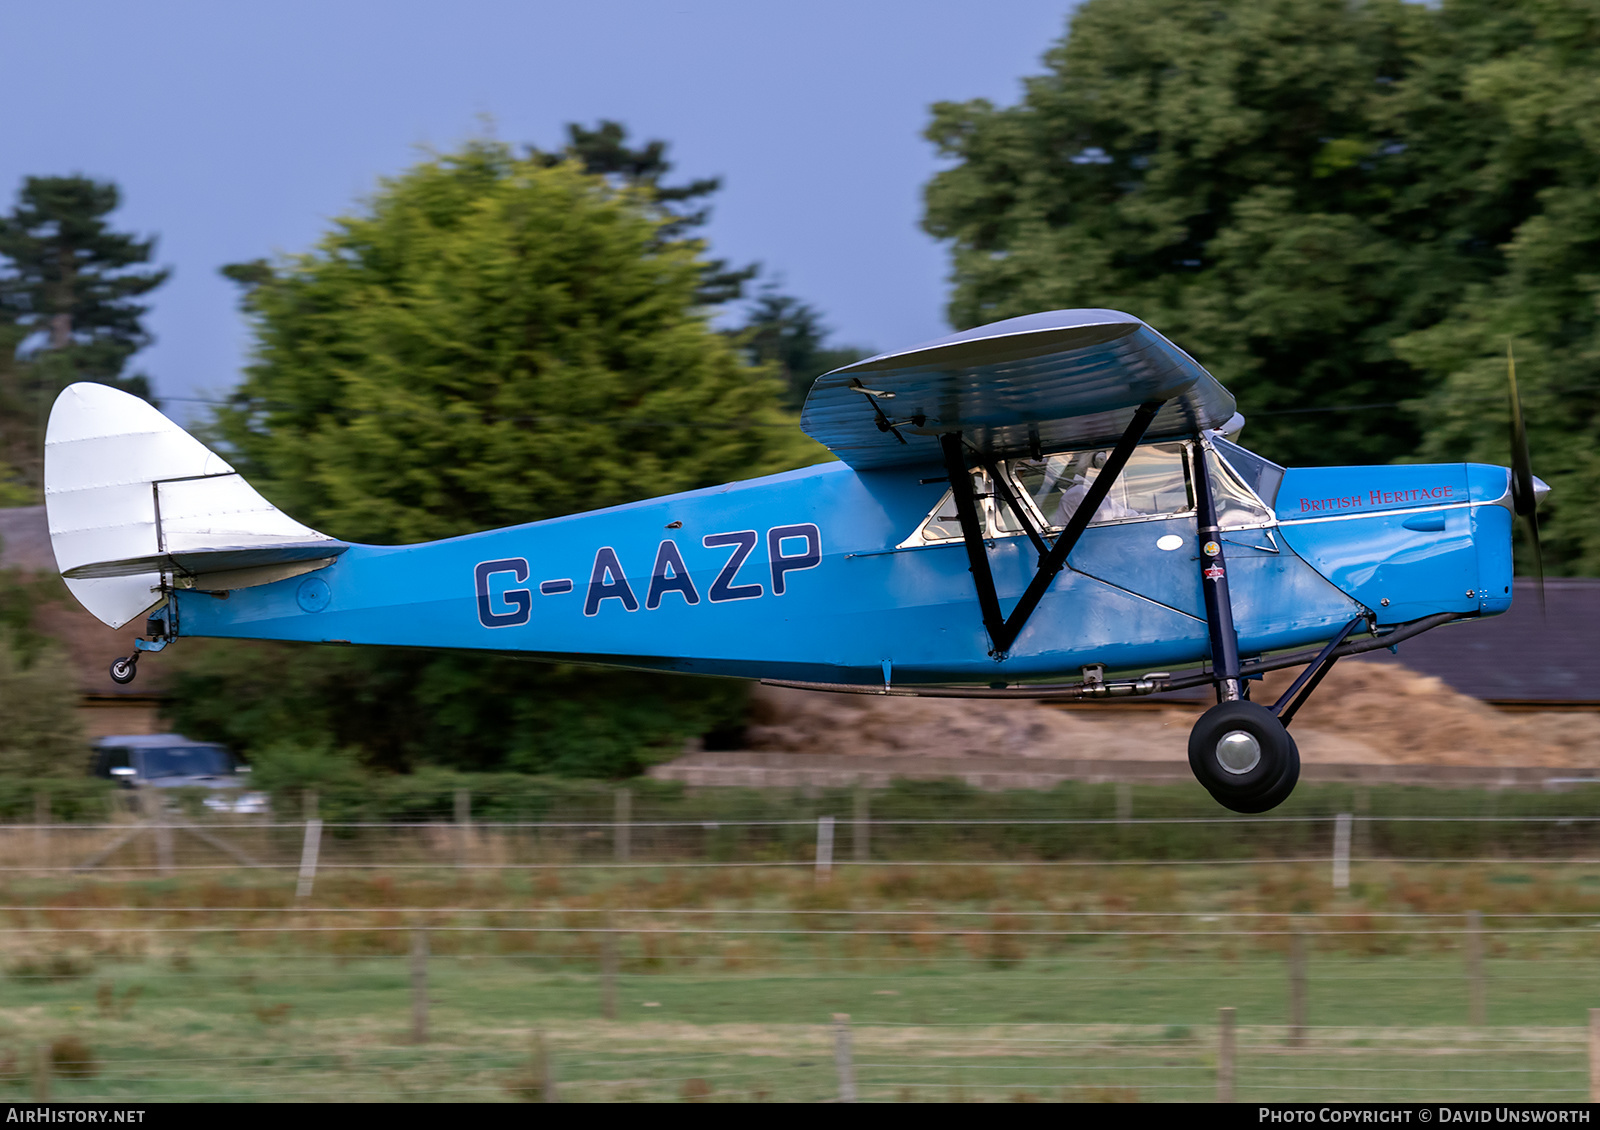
x=1066, y=481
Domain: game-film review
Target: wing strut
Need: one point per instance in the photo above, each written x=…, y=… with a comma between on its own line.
x=1035, y=535
x=1003, y=630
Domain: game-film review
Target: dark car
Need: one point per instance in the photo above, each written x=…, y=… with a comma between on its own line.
x=171, y=761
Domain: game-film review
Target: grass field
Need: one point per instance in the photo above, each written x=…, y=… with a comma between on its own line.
x=282, y=1028
x=977, y=983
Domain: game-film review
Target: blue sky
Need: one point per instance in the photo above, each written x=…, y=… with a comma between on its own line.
x=237, y=131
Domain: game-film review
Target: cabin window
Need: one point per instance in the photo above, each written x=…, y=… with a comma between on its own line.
x=1154, y=483
x=943, y=523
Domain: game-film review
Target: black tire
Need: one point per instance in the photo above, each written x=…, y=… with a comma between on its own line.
x=1273, y=751
x=123, y=670
x=1274, y=796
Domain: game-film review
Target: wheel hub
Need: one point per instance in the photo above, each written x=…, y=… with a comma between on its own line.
x=1238, y=752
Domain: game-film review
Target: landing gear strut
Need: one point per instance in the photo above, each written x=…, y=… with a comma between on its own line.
x=1239, y=750
x=159, y=628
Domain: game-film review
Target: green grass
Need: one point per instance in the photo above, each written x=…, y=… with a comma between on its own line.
x=275, y=1026
x=941, y=1006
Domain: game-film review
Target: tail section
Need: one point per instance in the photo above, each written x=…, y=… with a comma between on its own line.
x=137, y=506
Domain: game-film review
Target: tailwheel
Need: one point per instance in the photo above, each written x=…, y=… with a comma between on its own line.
x=123, y=670
x=1244, y=757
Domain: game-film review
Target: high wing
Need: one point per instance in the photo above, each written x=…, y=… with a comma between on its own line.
x=1058, y=381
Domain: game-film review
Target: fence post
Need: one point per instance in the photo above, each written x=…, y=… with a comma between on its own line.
x=155, y=813
x=463, y=825
x=419, y=986
x=861, y=841
x=1477, y=1003
x=1361, y=834
x=41, y=1073
x=1341, y=852
x=824, y=846
x=1124, y=802
x=843, y=1061
x=41, y=829
x=544, y=1068
x=1297, y=984
x=1224, y=1055
x=608, y=969
x=309, y=850
x=1594, y=1055
x=622, y=825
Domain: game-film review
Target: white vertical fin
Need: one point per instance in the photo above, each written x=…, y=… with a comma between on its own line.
x=126, y=488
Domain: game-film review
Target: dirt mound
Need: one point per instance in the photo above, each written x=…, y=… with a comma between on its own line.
x=1362, y=713
x=1401, y=717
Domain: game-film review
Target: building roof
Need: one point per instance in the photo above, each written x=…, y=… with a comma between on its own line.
x=1526, y=656
x=25, y=540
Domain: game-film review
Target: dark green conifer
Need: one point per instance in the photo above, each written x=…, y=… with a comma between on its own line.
x=69, y=309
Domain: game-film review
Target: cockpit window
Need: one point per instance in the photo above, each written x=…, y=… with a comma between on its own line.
x=1260, y=475
x=1154, y=483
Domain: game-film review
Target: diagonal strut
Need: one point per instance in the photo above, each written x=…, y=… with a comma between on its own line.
x=1003, y=630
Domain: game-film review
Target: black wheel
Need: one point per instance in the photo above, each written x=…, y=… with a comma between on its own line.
x=1240, y=751
x=1274, y=796
x=123, y=670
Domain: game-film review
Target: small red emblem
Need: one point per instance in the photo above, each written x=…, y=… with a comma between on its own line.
x=1214, y=572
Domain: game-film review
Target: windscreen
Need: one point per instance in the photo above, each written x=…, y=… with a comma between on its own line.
x=186, y=761
x=1260, y=475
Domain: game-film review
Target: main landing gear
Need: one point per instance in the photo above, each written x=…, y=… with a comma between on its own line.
x=1239, y=750
x=1244, y=756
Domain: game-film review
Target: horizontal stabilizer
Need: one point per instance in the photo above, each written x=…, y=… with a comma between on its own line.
x=131, y=496
x=223, y=559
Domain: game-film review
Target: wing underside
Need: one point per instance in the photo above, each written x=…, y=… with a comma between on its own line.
x=1059, y=381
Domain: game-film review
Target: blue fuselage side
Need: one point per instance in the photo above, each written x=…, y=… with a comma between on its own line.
x=797, y=577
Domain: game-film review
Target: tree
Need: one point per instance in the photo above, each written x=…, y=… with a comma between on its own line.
x=43, y=736
x=604, y=151
x=1525, y=77
x=1223, y=171
x=69, y=309
x=1346, y=211
x=782, y=331
x=492, y=340
x=456, y=358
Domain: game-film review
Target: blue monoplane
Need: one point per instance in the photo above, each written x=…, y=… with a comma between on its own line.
x=1047, y=507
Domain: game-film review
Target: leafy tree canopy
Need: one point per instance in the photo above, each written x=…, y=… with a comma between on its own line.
x=1332, y=205
x=492, y=339
x=495, y=340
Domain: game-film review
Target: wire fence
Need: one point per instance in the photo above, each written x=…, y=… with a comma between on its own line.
x=161, y=843
x=814, y=968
